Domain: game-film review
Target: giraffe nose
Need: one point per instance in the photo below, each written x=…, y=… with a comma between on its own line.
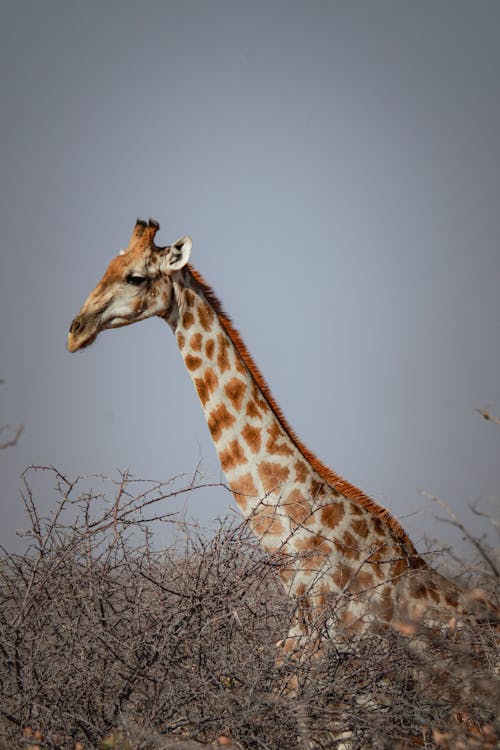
x=75, y=326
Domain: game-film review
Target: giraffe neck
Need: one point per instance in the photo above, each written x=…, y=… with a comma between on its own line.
x=274, y=478
x=261, y=462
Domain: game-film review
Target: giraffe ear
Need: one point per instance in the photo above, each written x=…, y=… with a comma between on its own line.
x=177, y=254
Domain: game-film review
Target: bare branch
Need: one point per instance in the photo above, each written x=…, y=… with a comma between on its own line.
x=13, y=440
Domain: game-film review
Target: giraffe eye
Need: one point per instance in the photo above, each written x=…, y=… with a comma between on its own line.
x=135, y=279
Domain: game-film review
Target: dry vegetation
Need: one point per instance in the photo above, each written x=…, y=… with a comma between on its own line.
x=106, y=642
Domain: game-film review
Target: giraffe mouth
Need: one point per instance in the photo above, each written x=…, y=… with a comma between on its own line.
x=82, y=333
x=78, y=342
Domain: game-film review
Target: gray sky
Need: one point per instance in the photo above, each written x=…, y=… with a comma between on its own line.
x=338, y=167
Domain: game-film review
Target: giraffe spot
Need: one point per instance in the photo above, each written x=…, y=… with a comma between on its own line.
x=211, y=380
x=332, y=514
x=297, y=507
x=301, y=471
x=377, y=569
x=209, y=348
x=451, y=598
x=380, y=555
x=433, y=591
x=384, y=606
x=206, y=385
x=252, y=437
x=232, y=456
x=187, y=319
x=361, y=582
x=355, y=509
x=312, y=542
x=300, y=590
x=418, y=589
x=360, y=528
x=257, y=397
x=272, y=474
x=317, y=489
x=189, y=298
x=220, y=419
x=202, y=389
x=347, y=547
x=316, y=550
x=180, y=340
x=192, y=363
x=377, y=525
x=206, y=316
x=195, y=342
x=275, y=447
x=349, y=540
x=351, y=621
x=235, y=391
x=223, y=357
x=239, y=364
x=244, y=485
x=267, y=521
x=252, y=410
x=343, y=575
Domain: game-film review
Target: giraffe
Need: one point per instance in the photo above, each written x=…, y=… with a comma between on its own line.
x=340, y=551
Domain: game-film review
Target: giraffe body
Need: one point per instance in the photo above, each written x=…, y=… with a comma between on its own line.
x=337, y=548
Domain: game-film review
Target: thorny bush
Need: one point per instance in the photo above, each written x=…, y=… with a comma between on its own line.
x=104, y=636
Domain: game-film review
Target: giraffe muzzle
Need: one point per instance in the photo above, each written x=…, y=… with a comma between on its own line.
x=82, y=332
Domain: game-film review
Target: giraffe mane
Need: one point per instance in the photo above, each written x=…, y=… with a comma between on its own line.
x=331, y=477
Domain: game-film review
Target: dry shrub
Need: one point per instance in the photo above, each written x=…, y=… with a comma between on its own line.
x=107, y=642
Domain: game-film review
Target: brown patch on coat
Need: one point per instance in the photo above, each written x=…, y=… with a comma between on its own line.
x=360, y=528
x=343, y=575
x=272, y=474
x=195, y=342
x=451, y=598
x=181, y=340
x=418, y=589
x=378, y=527
x=252, y=410
x=350, y=541
x=202, y=389
x=209, y=348
x=223, y=356
x=220, y=419
x=211, y=380
x=192, y=363
x=318, y=490
x=189, y=298
x=297, y=507
x=252, y=436
x=239, y=364
x=266, y=521
x=363, y=581
x=235, y=391
x=258, y=398
x=332, y=514
x=232, y=456
x=187, y=319
x=384, y=605
x=301, y=471
x=315, y=550
x=206, y=316
x=347, y=550
x=244, y=485
x=273, y=445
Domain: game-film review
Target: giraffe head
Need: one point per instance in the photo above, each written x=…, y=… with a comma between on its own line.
x=137, y=284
